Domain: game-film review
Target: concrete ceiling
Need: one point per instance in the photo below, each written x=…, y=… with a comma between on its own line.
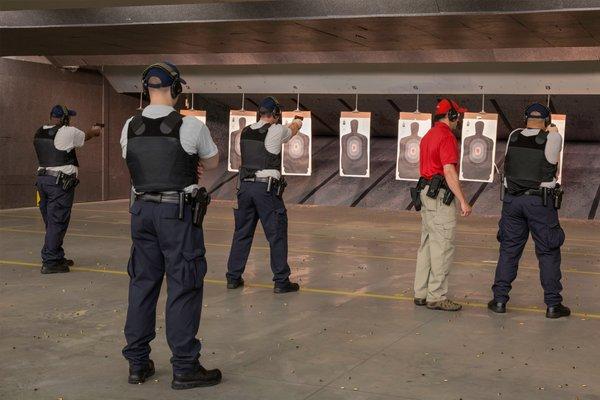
x=12, y=5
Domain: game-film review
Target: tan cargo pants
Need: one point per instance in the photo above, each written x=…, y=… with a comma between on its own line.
x=436, y=252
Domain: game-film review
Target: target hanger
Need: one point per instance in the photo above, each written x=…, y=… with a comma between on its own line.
x=141, y=107
x=356, y=103
x=192, y=101
x=297, y=102
x=243, y=100
x=482, y=100
x=417, y=88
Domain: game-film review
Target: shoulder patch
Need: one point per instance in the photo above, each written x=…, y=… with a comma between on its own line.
x=170, y=122
x=137, y=125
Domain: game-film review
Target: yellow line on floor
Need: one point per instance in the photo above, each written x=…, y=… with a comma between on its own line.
x=333, y=292
x=476, y=264
x=320, y=235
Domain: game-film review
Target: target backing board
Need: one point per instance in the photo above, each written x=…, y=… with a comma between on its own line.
x=560, y=120
x=412, y=126
x=478, y=147
x=199, y=114
x=355, y=140
x=238, y=120
x=296, y=157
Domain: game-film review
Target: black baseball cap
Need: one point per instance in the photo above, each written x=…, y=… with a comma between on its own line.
x=540, y=110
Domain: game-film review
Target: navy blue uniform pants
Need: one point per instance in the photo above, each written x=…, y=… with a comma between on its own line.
x=55, y=207
x=254, y=204
x=163, y=244
x=520, y=216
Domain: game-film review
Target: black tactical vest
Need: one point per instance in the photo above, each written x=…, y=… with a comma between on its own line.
x=47, y=154
x=155, y=158
x=526, y=166
x=255, y=155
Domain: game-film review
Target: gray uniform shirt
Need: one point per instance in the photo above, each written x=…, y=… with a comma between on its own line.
x=276, y=137
x=552, y=150
x=194, y=135
x=67, y=138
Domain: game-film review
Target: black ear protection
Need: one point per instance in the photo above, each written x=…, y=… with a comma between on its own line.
x=547, y=120
x=176, y=87
x=452, y=112
x=66, y=119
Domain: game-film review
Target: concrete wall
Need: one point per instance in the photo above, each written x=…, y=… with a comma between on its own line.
x=29, y=92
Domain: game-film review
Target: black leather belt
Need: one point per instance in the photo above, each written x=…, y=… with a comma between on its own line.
x=534, y=192
x=162, y=197
x=261, y=180
x=47, y=172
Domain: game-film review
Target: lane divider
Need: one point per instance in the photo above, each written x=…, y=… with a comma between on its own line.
x=484, y=264
x=333, y=292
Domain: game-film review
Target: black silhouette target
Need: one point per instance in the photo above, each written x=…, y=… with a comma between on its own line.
x=411, y=151
x=354, y=148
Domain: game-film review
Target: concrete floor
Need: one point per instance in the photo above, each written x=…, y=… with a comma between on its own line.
x=351, y=333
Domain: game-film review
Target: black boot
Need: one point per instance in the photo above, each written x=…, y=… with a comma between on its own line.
x=235, y=283
x=420, y=302
x=497, y=306
x=557, y=311
x=139, y=375
x=286, y=287
x=199, y=378
x=68, y=262
x=55, y=268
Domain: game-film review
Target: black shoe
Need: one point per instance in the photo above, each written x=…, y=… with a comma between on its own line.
x=497, y=306
x=286, y=287
x=68, y=262
x=557, y=311
x=199, y=378
x=234, y=284
x=57, y=268
x=139, y=376
x=420, y=302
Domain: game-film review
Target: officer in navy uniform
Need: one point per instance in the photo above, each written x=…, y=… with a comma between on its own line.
x=56, y=180
x=259, y=196
x=530, y=204
x=164, y=154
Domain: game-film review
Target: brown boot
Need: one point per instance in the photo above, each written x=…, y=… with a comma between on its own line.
x=444, y=305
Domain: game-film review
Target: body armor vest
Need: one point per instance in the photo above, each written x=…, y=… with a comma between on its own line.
x=155, y=158
x=526, y=166
x=255, y=155
x=48, y=155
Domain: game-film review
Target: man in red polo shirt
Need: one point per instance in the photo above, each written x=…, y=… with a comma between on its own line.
x=439, y=157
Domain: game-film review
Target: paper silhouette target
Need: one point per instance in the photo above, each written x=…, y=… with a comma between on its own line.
x=199, y=114
x=296, y=157
x=355, y=133
x=560, y=120
x=478, y=147
x=238, y=120
x=411, y=128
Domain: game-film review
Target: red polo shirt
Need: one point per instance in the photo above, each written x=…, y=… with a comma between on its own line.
x=438, y=148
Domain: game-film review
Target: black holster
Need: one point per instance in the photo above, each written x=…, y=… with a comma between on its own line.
x=67, y=182
x=200, y=202
x=415, y=193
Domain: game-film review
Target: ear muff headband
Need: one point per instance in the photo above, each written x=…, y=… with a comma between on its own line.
x=176, y=87
x=547, y=120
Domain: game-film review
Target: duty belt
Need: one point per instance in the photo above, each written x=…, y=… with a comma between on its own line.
x=261, y=180
x=278, y=185
x=173, y=198
x=199, y=199
x=47, y=172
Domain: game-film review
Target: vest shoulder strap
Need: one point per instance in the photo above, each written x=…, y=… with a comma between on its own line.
x=170, y=122
x=264, y=129
x=514, y=136
x=542, y=137
x=136, y=125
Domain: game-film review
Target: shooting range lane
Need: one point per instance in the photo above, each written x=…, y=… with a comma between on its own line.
x=353, y=316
